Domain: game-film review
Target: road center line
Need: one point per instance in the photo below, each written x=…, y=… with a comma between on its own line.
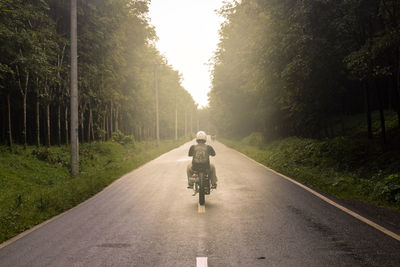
x=201, y=262
x=350, y=212
x=201, y=208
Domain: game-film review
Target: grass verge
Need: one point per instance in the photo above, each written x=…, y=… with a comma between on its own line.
x=35, y=184
x=343, y=167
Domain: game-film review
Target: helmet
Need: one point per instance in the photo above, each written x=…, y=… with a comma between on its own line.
x=201, y=136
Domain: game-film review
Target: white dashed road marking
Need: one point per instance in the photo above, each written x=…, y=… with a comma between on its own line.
x=201, y=262
x=201, y=208
x=184, y=159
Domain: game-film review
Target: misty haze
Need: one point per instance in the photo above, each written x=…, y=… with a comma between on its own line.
x=196, y=133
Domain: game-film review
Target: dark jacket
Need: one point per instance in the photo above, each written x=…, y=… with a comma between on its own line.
x=210, y=151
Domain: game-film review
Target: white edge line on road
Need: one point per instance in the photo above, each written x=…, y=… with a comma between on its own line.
x=21, y=235
x=26, y=232
x=350, y=212
x=201, y=262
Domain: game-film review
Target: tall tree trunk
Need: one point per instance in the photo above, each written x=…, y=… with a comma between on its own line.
x=191, y=122
x=48, y=124
x=24, y=92
x=381, y=114
x=24, y=133
x=82, y=127
x=185, y=122
x=91, y=123
x=59, y=124
x=107, y=124
x=111, y=118
x=66, y=126
x=105, y=119
x=397, y=86
x=74, y=129
x=116, y=118
x=82, y=122
x=88, y=128
x=157, y=106
x=37, y=122
x=368, y=109
x=176, y=121
x=103, y=138
x=10, y=139
x=25, y=96
x=60, y=59
x=139, y=133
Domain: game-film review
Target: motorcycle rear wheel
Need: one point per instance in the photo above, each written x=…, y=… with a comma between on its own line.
x=202, y=199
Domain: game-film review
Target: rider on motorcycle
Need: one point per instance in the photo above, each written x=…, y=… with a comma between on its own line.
x=200, y=154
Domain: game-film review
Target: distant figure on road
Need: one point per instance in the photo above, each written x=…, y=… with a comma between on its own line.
x=201, y=159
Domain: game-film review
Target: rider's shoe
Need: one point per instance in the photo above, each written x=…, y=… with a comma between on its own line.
x=190, y=186
x=214, y=186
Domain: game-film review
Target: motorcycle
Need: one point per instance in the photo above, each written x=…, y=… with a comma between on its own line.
x=201, y=184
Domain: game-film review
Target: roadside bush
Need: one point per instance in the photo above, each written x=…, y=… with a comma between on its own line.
x=50, y=156
x=123, y=139
x=344, y=167
x=254, y=139
x=389, y=189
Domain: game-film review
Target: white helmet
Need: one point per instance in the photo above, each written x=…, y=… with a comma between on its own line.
x=201, y=136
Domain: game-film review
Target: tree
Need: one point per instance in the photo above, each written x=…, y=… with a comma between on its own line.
x=295, y=67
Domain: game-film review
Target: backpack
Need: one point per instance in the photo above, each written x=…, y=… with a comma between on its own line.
x=200, y=156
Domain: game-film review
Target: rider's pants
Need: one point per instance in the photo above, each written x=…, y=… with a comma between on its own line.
x=211, y=173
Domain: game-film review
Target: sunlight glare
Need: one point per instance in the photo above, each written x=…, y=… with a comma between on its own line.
x=188, y=36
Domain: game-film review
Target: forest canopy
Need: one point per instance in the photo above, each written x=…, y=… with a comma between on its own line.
x=117, y=66
x=296, y=67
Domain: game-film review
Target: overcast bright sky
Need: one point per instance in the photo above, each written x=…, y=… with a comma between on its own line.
x=188, y=36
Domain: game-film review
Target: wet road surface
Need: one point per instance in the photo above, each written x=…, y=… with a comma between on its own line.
x=254, y=218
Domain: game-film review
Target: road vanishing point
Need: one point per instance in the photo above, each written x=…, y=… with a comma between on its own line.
x=255, y=218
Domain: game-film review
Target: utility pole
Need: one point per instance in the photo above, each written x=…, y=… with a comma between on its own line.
x=176, y=119
x=191, y=122
x=185, y=122
x=74, y=92
x=156, y=92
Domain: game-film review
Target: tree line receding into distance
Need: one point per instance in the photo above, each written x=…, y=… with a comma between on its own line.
x=117, y=62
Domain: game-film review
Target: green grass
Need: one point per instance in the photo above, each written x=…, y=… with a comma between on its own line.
x=35, y=184
x=346, y=167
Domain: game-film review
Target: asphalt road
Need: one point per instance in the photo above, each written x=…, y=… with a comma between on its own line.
x=254, y=218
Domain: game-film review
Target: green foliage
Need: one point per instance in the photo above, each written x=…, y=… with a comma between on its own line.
x=52, y=156
x=389, y=189
x=117, y=62
x=122, y=139
x=288, y=68
x=345, y=167
x=29, y=195
x=254, y=139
